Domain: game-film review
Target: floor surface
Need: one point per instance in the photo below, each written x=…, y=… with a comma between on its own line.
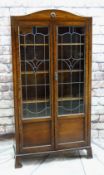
x=74, y=163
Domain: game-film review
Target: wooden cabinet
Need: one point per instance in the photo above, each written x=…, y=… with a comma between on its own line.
x=52, y=82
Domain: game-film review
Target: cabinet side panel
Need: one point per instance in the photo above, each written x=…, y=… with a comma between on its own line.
x=14, y=35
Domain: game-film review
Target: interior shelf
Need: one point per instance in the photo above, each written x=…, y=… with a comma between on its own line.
x=70, y=98
x=47, y=100
x=35, y=101
x=32, y=72
x=70, y=44
x=59, y=44
x=33, y=85
x=36, y=44
x=67, y=70
x=45, y=72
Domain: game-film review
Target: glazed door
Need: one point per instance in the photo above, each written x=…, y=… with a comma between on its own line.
x=36, y=118
x=53, y=79
x=70, y=82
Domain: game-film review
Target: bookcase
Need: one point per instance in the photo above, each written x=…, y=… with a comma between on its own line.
x=51, y=52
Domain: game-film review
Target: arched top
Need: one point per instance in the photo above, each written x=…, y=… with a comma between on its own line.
x=47, y=15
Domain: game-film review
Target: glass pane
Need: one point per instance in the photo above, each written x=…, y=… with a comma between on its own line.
x=34, y=57
x=71, y=60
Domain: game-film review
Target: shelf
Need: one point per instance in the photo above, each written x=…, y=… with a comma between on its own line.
x=35, y=101
x=70, y=98
x=43, y=85
x=70, y=44
x=59, y=44
x=34, y=44
x=45, y=72
x=32, y=72
x=35, y=85
x=47, y=100
x=65, y=71
x=71, y=83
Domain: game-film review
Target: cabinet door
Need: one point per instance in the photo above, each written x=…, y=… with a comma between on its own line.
x=35, y=87
x=71, y=95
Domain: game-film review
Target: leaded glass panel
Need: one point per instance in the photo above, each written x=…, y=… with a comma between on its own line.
x=71, y=73
x=34, y=57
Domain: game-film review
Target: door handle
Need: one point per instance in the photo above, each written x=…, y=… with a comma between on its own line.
x=56, y=76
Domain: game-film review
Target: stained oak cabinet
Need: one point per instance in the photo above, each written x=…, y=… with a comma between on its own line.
x=52, y=82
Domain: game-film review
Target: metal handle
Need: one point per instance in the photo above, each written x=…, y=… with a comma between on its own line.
x=56, y=76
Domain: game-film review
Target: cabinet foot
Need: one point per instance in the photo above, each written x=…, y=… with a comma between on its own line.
x=18, y=162
x=89, y=152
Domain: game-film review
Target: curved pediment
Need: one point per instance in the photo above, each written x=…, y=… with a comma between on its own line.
x=47, y=15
